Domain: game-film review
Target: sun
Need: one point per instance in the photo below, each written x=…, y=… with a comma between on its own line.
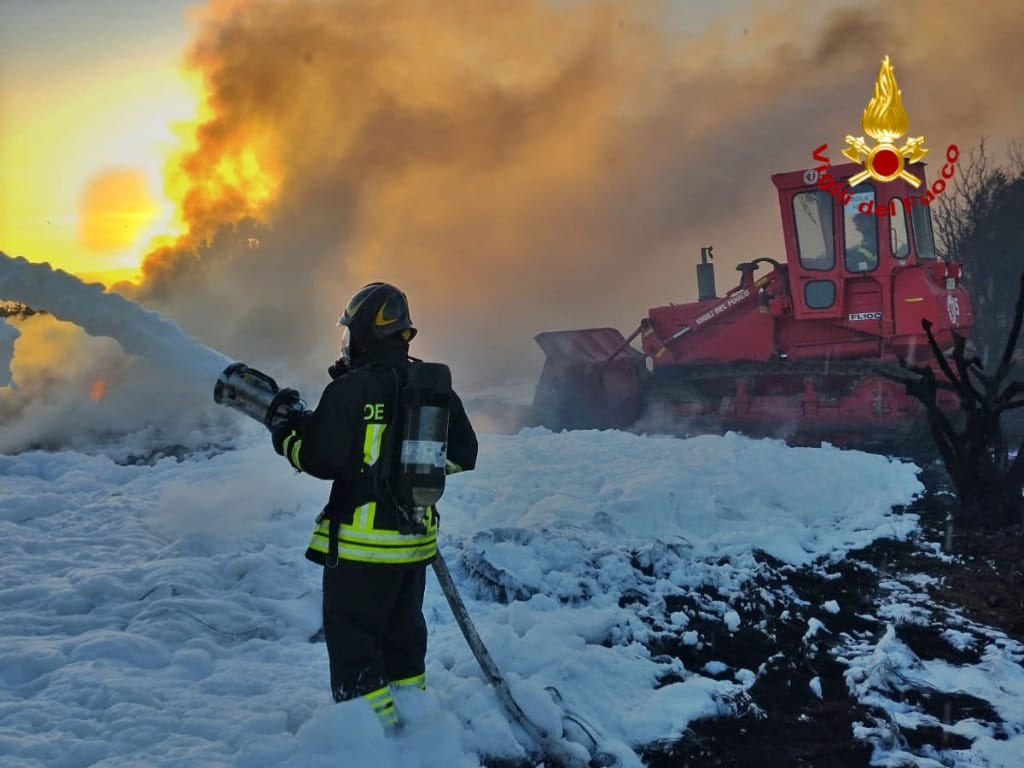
x=89, y=156
x=117, y=208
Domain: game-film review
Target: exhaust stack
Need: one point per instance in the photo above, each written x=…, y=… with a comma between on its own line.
x=706, y=275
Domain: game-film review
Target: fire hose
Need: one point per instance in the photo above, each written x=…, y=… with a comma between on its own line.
x=258, y=396
x=551, y=745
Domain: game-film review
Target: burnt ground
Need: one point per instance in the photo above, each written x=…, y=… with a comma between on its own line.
x=942, y=605
x=783, y=724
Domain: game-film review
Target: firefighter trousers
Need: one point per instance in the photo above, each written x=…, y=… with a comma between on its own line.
x=374, y=626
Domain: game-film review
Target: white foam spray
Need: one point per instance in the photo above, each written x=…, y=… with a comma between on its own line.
x=139, y=331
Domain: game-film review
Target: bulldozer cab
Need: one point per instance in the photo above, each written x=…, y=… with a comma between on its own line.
x=843, y=244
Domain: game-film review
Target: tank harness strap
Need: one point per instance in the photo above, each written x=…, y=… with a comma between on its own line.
x=371, y=485
x=332, y=541
x=374, y=482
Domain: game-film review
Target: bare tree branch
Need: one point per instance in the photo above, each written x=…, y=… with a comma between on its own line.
x=1011, y=341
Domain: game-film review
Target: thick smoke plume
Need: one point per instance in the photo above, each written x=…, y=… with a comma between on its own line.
x=523, y=166
x=530, y=165
x=8, y=335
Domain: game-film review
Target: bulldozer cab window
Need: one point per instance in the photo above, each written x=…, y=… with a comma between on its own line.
x=921, y=219
x=812, y=216
x=898, y=242
x=860, y=230
x=820, y=294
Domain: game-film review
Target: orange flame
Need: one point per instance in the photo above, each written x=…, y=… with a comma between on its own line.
x=98, y=391
x=223, y=173
x=884, y=118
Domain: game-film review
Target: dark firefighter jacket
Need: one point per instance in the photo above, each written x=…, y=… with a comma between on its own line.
x=342, y=439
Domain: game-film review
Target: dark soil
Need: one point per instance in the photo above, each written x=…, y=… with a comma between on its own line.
x=781, y=722
x=785, y=726
x=988, y=579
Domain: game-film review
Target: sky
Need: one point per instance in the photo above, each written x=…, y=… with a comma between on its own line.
x=89, y=96
x=94, y=97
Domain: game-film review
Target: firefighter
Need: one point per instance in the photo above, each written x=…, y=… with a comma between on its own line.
x=374, y=574
x=863, y=256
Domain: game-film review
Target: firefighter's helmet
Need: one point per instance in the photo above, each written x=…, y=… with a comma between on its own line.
x=378, y=312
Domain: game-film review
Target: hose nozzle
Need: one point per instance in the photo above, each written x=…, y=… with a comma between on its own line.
x=256, y=394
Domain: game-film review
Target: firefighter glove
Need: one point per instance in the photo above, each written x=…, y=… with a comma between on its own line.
x=288, y=428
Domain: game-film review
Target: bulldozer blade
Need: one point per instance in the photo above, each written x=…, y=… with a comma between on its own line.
x=590, y=345
x=592, y=379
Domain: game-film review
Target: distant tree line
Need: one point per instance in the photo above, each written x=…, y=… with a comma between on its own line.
x=981, y=225
x=16, y=309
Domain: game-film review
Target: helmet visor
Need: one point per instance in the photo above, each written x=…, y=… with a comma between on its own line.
x=346, y=344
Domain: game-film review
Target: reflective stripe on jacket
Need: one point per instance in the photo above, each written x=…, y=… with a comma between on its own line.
x=360, y=541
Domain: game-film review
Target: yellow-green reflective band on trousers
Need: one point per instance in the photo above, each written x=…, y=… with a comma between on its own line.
x=416, y=681
x=382, y=538
x=383, y=706
x=370, y=555
x=412, y=549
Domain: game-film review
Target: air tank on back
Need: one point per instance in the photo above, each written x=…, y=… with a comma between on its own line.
x=422, y=457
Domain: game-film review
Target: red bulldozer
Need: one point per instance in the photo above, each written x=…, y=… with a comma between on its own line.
x=804, y=351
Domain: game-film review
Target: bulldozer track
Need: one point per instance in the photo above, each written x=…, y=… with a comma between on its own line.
x=681, y=384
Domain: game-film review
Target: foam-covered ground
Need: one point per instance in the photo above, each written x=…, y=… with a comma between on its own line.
x=163, y=613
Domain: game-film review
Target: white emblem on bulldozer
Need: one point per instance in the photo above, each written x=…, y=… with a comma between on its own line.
x=953, y=308
x=730, y=302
